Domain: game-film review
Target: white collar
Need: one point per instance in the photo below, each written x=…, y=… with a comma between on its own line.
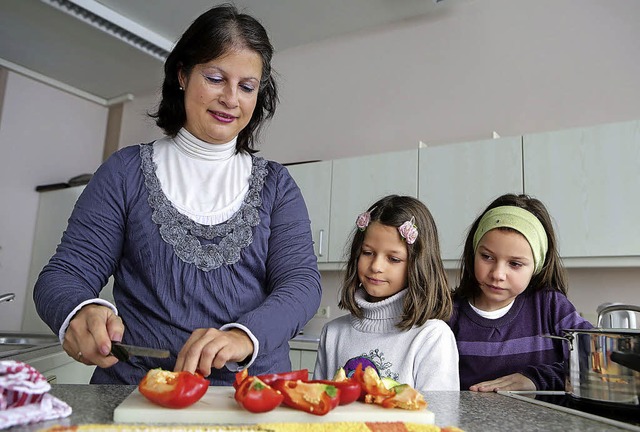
x=495, y=314
x=195, y=148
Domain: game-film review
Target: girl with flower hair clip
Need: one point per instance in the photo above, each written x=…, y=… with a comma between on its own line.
x=396, y=292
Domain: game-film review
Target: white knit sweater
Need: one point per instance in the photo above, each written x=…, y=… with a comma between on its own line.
x=424, y=357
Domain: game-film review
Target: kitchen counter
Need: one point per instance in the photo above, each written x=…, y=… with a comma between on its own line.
x=467, y=410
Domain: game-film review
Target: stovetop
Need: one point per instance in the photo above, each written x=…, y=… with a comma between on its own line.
x=627, y=417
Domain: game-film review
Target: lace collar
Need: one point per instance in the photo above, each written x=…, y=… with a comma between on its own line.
x=182, y=233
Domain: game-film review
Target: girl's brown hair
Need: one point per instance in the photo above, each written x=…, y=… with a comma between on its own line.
x=428, y=296
x=553, y=274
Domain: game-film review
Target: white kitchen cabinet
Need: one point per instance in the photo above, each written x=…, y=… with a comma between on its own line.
x=59, y=368
x=314, y=181
x=358, y=182
x=303, y=354
x=457, y=181
x=54, y=209
x=303, y=359
x=589, y=180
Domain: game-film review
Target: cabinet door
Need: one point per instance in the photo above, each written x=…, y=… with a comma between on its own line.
x=359, y=182
x=314, y=181
x=308, y=361
x=294, y=357
x=457, y=181
x=589, y=180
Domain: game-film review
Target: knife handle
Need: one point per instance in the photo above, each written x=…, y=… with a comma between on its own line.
x=119, y=352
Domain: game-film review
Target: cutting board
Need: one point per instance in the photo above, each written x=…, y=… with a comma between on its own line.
x=218, y=406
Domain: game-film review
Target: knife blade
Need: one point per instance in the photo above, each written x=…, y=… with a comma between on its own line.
x=122, y=352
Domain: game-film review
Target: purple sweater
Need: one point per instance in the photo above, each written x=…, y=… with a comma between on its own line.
x=172, y=276
x=490, y=349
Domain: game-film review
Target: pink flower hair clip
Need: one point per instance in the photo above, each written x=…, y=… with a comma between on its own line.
x=363, y=220
x=409, y=231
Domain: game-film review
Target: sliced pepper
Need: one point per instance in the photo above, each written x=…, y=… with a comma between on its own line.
x=173, y=389
x=300, y=374
x=240, y=377
x=314, y=398
x=371, y=382
x=256, y=396
x=350, y=390
x=405, y=397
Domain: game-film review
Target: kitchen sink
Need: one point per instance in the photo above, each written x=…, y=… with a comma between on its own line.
x=17, y=343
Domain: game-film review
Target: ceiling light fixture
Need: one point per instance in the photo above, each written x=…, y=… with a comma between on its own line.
x=111, y=22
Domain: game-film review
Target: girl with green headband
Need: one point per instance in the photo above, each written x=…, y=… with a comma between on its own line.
x=512, y=290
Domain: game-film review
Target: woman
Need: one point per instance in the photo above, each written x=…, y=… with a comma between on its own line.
x=210, y=246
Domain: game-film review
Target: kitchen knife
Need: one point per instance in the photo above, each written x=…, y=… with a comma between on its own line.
x=122, y=352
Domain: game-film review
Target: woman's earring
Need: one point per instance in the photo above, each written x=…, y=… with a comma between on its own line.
x=181, y=88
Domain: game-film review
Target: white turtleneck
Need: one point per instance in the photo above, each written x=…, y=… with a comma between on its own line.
x=205, y=182
x=426, y=357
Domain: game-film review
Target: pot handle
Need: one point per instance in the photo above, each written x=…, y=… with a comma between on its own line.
x=629, y=360
x=615, y=307
x=564, y=338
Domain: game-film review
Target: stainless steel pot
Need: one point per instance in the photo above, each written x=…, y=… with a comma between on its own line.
x=604, y=364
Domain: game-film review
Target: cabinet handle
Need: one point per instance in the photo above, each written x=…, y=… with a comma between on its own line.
x=320, y=241
x=51, y=379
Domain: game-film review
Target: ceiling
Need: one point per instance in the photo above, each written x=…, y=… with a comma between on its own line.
x=39, y=39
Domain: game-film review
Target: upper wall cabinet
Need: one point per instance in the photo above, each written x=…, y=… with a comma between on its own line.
x=314, y=181
x=359, y=182
x=457, y=181
x=589, y=178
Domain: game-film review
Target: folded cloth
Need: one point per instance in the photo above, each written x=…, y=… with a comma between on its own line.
x=24, y=396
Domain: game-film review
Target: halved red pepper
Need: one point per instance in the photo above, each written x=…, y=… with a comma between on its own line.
x=173, y=389
x=370, y=382
x=349, y=389
x=256, y=396
x=300, y=374
x=405, y=397
x=314, y=398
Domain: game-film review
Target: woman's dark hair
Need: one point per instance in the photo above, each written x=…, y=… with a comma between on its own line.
x=428, y=296
x=212, y=34
x=553, y=274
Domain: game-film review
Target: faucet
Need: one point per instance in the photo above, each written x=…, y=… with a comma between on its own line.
x=7, y=297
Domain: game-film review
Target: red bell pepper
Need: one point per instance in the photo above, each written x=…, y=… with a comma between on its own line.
x=173, y=389
x=314, y=398
x=405, y=397
x=240, y=377
x=350, y=390
x=256, y=396
x=371, y=382
x=300, y=374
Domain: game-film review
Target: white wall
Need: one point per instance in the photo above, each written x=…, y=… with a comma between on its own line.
x=46, y=136
x=137, y=127
x=473, y=67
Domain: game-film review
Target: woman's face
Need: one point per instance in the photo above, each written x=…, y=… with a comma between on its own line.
x=220, y=96
x=382, y=264
x=503, y=267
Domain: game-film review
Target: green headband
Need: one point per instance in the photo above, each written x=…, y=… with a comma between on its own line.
x=520, y=220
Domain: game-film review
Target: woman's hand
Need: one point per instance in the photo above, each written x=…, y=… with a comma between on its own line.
x=510, y=382
x=89, y=335
x=211, y=347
